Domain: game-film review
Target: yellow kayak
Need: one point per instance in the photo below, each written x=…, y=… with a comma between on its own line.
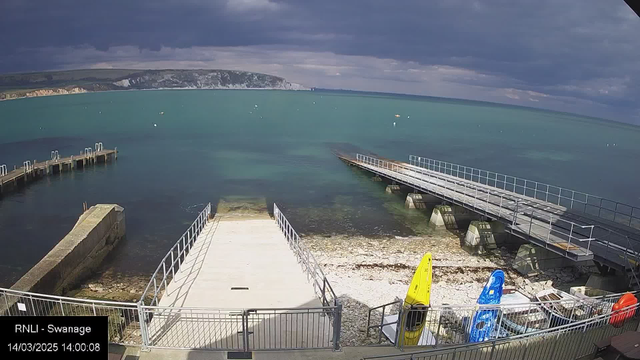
x=417, y=299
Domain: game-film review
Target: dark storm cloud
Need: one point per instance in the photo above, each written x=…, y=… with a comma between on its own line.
x=587, y=50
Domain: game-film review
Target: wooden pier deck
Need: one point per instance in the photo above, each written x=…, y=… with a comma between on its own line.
x=33, y=170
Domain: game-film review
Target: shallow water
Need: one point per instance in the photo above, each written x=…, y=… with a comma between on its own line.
x=212, y=144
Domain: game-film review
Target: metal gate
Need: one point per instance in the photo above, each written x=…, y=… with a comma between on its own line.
x=241, y=330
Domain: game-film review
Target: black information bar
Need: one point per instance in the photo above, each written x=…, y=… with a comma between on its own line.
x=40, y=337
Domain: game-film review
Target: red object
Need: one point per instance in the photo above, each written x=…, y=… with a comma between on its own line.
x=618, y=319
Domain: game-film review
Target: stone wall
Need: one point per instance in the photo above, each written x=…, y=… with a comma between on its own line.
x=97, y=232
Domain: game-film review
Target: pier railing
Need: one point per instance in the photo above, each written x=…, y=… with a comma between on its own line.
x=567, y=342
x=243, y=329
x=453, y=324
x=535, y=223
x=123, y=318
x=296, y=328
x=311, y=267
x=575, y=200
x=172, y=261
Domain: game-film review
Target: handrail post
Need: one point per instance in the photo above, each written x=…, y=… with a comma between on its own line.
x=337, y=326
x=144, y=332
x=515, y=213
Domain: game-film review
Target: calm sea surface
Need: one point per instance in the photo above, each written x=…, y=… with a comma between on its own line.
x=275, y=145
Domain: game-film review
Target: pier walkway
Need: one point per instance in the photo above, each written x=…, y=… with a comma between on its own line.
x=10, y=180
x=549, y=219
x=240, y=263
x=241, y=283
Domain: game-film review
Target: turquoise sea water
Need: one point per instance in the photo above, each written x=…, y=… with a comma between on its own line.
x=212, y=144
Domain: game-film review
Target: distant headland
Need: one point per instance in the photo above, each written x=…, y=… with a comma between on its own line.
x=15, y=86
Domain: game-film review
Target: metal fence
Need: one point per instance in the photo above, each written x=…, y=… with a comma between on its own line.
x=311, y=267
x=586, y=203
x=123, y=318
x=243, y=329
x=568, y=342
x=171, y=262
x=453, y=324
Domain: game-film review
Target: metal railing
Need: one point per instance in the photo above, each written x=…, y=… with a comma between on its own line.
x=123, y=318
x=311, y=267
x=27, y=166
x=99, y=147
x=3, y=170
x=55, y=156
x=568, y=342
x=243, y=329
x=190, y=328
x=171, y=262
x=579, y=201
x=452, y=324
x=523, y=217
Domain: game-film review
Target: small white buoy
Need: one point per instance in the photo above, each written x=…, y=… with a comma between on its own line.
x=250, y=112
x=394, y=124
x=314, y=103
x=607, y=145
x=155, y=125
x=408, y=116
x=161, y=112
x=397, y=115
x=614, y=144
x=256, y=105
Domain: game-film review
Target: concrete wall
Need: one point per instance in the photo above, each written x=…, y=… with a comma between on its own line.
x=97, y=232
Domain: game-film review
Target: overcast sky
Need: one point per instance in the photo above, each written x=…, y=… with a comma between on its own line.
x=576, y=56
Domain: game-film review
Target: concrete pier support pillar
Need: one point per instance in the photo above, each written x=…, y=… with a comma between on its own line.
x=376, y=178
x=451, y=217
x=480, y=237
x=415, y=201
x=392, y=189
x=531, y=259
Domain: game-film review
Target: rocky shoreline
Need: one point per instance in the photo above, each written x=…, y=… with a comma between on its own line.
x=366, y=273
x=111, y=286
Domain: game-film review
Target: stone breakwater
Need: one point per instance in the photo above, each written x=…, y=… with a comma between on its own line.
x=367, y=272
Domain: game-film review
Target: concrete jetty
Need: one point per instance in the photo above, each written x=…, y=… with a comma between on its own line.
x=11, y=180
x=244, y=285
x=95, y=234
x=240, y=262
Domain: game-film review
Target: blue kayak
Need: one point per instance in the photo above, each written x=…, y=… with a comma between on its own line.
x=485, y=320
